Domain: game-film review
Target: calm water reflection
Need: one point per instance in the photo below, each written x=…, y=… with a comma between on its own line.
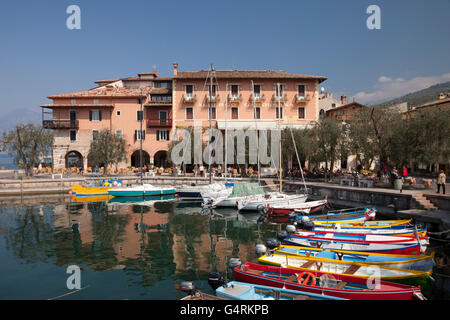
x=129, y=250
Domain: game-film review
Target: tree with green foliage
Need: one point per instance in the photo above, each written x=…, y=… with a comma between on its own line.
x=28, y=143
x=107, y=149
x=330, y=136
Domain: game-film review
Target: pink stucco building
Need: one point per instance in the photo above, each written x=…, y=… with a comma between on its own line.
x=241, y=99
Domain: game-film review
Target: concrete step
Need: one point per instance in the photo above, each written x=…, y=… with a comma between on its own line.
x=423, y=202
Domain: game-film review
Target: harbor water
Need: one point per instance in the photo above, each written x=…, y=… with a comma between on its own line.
x=133, y=250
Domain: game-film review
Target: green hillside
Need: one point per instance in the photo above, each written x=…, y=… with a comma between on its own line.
x=420, y=97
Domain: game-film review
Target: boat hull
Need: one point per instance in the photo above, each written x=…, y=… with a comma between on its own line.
x=387, y=291
x=423, y=263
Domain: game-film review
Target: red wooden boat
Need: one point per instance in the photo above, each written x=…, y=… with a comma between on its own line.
x=342, y=286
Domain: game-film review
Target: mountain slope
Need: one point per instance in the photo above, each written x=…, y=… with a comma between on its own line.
x=420, y=97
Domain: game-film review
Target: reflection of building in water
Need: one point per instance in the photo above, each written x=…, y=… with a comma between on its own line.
x=104, y=238
x=199, y=248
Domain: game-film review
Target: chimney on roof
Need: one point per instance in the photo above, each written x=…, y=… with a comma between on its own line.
x=175, y=69
x=442, y=96
x=155, y=72
x=344, y=99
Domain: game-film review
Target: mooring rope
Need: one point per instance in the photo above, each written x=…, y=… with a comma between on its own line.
x=69, y=293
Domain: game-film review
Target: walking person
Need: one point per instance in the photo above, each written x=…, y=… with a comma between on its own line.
x=441, y=181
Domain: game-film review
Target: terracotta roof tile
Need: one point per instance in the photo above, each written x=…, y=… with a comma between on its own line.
x=246, y=74
x=104, y=92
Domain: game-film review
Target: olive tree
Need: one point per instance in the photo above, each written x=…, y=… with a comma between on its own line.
x=27, y=143
x=107, y=149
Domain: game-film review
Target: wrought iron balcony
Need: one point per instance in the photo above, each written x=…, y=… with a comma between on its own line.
x=214, y=98
x=257, y=98
x=301, y=98
x=60, y=124
x=159, y=122
x=189, y=97
x=235, y=98
x=276, y=98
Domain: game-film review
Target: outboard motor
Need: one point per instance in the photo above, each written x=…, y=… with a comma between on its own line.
x=215, y=280
x=282, y=234
x=260, y=250
x=292, y=216
x=307, y=224
x=188, y=287
x=272, y=244
x=290, y=229
x=233, y=263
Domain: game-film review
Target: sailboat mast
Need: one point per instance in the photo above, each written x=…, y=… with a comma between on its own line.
x=210, y=120
x=257, y=132
x=279, y=128
x=141, y=136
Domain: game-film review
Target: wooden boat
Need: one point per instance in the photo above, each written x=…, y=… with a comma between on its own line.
x=82, y=199
x=257, y=202
x=409, y=262
x=82, y=191
x=378, y=224
x=400, y=245
x=352, y=283
x=405, y=232
x=235, y=290
x=353, y=215
x=141, y=190
x=312, y=238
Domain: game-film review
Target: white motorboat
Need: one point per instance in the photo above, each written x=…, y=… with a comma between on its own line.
x=277, y=199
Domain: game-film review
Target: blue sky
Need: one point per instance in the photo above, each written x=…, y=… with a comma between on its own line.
x=39, y=56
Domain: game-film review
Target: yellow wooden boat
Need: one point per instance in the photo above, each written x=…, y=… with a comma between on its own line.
x=91, y=198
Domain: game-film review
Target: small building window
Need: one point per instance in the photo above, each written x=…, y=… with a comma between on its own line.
x=140, y=115
x=213, y=113
x=118, y=113
x=162, y=135
x=73, y=135
x=139, y=135
x=279, y=113
x=73, y=101
x=235, y=113
x=257, y=113
x=234, y=90
x=95, y=115
x=94, y=134
x=119, y=133
x=301, y=112
x=95, y=101
x=189, y=113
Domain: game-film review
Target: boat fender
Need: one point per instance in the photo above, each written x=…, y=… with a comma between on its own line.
x=215, y=280
x=309, y=276
x=290, y=229
x=260, y=250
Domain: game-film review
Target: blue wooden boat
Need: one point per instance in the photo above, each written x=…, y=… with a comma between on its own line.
x=236, y=290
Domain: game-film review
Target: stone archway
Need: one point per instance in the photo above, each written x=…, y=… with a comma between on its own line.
x=74, y=159
x=161, y=159
x=135, y=159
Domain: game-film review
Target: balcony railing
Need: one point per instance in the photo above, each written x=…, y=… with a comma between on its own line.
x=60, y=124
x=214, y=98
x=276, y=98
x=299, y=98
x=235, y=98
x=159, y=123
x=189, y=97
x=158, y=102
x=257, y=98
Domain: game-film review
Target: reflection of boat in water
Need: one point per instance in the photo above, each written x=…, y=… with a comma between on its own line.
x=147, y=200
x=141, y=190
x=84, y=199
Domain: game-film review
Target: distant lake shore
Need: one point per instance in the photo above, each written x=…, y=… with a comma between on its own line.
x=7, y=161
